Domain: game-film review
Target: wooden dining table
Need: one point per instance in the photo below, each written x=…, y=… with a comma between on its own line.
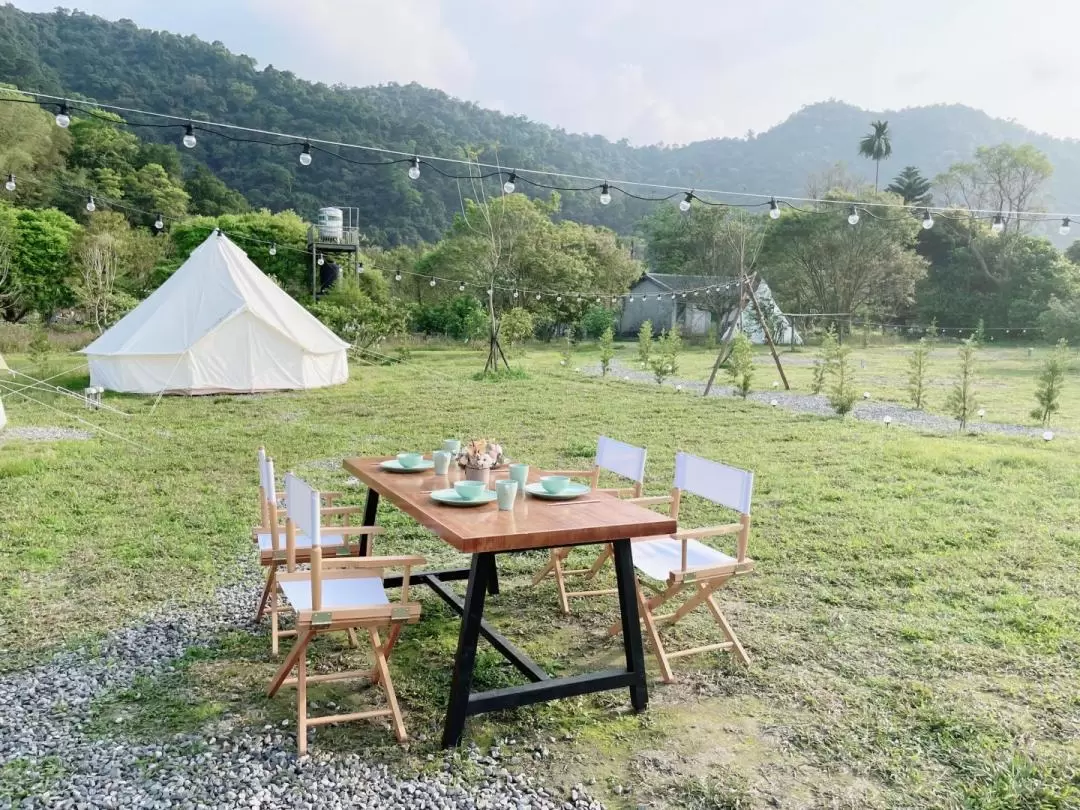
x=486, y=531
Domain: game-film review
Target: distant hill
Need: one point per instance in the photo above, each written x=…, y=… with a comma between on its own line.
x=117, y=62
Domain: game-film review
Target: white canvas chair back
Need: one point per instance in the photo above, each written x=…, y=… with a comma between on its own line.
x=621, y=458
x=302, y=507
x=266, y=476
x=719, y=483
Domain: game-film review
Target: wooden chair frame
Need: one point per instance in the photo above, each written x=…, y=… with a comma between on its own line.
x=316, y=620
x=557, y=558
x=278, y=555
x=697, y=584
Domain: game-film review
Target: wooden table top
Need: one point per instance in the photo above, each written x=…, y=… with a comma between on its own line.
x=533, y=522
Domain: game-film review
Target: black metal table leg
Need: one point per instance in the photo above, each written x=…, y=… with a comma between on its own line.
x=465, y=658
x=371, y=509
x=493, y=577
x=631, y=626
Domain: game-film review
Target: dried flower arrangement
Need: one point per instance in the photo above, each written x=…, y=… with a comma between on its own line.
x=481, y=454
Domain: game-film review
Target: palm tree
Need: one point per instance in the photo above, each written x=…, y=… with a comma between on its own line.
x=912, y=186
x=877, y=146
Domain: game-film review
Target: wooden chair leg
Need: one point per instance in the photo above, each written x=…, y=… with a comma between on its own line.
x=721, y=620
x=388, y=647
x=388, y=686
x=274, y=623
x=654, y=637
x=547, y=569
x=651, y=603
x=298, y=649
x=301, y=703
x=560, y=583
x=703, y=593
x=353, y=641
x=605, y=555
x=268, y=591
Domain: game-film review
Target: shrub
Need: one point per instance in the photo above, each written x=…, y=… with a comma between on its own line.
x=607, y=350
x=596, y=321
x=917, y=366
x=1061, y=320
x=461, y=318
x=841, y=390
x=826, y=353
x=516, y=326
x=644, y=342
x=961, y=402
x=354, y=316
x=740, y=364
x=1051, y=380
x=665, y=361
x=710, y=337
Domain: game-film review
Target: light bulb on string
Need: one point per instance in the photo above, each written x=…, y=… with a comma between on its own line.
x=397, y=276
x=928, y=220
x=10, y=184
x=189, y=136
x=631, y=299
x=461, y=287
x=515, y=293
x=538, y=296
x=305, y=155
x=558, y=298
x=684, y=206
x=509, y=185
x=63, y=120
x=605, y=194
x=359, y=268
x=322, y=260
x=998, y=225
x=491, y=292
x=1064, y=229
x=774, y=209
x=414, y=169
x=853, y=217
x=91, y=206
x=431, y=283
x=159, y=223
x=273, y=250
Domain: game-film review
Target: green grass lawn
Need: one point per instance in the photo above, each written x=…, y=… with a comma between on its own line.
x=913, y=622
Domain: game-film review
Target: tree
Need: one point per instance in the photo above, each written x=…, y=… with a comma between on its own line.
x=32, y=148
x=665, y=360
x=912, y=187
x=841, y=389
x=211, y=197
x=823, y=362
x=826, y=265
x=961, y=401
x=356, y=316
x=1061, y=320
x=644, y=342
x=741, y=364
x=1051, y=381
x=41, y=264
x=1003, y=178
x=516, y=326
x=877, y=146
x=607, y=350
x=151, y=189
x=918, y=365
x=99, y=259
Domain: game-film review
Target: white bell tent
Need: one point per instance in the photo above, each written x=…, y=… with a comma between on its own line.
x=217, y=325
x=3, y=416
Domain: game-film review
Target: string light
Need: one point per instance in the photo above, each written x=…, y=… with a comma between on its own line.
x=515, y=293
x=10, y=184
x=159, y=223
x=359, y=267
x=461, y=287
x=999, y=224
x=91, y=206
x=63, y=119
x=538, y=296
x=1064, y=229
x=189, y=136
x=684, y=205
x=431, y=283
x=853, y=217
x=321, y=261
x=928, y=220
x=305, y=155
x=397, y=276
x=414, y=169
x=605, y=195
x=509, y=185
x=774, y=209
x=273, y=249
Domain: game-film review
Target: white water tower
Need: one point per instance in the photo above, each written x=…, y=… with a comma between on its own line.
x=331, y=225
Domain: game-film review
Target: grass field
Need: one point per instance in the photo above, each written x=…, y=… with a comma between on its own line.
x=913, y=622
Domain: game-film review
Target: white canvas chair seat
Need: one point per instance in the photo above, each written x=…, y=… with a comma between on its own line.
x=337, y=594
x=303, y=542
x=661, y=558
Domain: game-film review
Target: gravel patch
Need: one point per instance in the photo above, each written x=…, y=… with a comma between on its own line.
x=44, y=434
x=44, y=711
x=867, y=410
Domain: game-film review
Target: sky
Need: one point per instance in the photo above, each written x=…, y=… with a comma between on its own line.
x=649, y=71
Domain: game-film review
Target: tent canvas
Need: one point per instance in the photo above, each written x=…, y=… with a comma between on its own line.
x=218, y=324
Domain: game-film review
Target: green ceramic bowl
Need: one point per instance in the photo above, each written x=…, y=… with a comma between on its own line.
x=470, y=490
x=409, y=460
x=554, y=483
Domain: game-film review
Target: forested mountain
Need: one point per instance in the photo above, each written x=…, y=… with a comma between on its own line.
x=117, y=62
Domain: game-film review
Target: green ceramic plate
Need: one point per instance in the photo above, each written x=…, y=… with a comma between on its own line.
x=393, y=465
x=451, y=498
x=572, y=491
